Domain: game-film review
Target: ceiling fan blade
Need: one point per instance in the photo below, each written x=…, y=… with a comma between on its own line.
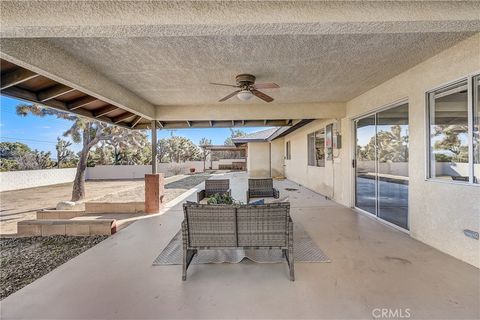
x=266, y=86
x=224, y=84
x=229, y=96
x=262, y=95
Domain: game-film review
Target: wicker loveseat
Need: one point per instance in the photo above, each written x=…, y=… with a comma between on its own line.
x=267, y=226
x=213, y=186
x=261, y=188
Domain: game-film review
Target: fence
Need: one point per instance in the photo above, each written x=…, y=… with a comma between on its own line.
x=15, y=180
x=138, y=172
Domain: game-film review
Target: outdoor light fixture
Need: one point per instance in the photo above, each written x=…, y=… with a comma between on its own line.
x=244, y=95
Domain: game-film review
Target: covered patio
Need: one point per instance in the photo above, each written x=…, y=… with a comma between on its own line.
x=373, y=266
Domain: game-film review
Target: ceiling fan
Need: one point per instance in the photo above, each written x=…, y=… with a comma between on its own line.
x=248, y=88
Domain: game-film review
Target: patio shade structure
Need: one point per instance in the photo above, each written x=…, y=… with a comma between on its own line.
x=339, y=67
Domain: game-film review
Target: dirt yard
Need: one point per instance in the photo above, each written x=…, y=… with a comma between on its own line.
x=173, y=189
x=23, y=204
x=17, y=205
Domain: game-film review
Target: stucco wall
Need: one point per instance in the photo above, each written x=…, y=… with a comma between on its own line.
x=324, y=180
x=138, y=172
x=438, y=212
x=16, y=180
x=278, y=157
x=258, y=159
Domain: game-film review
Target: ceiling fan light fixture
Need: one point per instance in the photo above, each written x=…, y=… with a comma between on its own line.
x=244, y=95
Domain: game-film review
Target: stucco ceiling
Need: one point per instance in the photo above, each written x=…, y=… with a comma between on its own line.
x=176, y=70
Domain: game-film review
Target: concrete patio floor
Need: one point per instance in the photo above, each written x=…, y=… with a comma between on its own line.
x=373, y=266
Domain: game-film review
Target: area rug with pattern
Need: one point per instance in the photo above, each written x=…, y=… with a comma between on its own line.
x=304, y=250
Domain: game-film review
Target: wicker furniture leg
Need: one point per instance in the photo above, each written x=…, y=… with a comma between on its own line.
x=187, y=259
x=289, y=251
x=188, y=254
x=200, y=195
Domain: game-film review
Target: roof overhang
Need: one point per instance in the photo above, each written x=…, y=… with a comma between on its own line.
x=101, y=60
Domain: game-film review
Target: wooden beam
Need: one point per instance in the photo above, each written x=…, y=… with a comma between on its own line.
x=289, y=122
x=243, y=122
x=122, y=117
x=135, y=121
x=104, y=110
x=20, y=93
x=211, y=123
x=27, y=95
x=16, y=77
x=53, y=92
x=233, y=123
x=189, y=123
x=160, y=124
x=265, y=122
x=80, y=102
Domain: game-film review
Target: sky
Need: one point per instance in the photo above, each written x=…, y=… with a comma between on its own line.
x=41, y=133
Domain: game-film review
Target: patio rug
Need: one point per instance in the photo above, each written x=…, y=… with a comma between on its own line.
x=304, y=250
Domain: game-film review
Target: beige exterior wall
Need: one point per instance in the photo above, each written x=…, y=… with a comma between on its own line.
x=324, y=180
x=258, y=159
x=438, y=212
x=278, y=157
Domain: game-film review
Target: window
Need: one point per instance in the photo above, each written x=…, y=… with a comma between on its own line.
x=453, y=132
x=288, y=151
x=316, y=148
x=476, y=129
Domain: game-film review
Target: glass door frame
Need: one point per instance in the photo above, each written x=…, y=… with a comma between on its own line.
x=354, y=169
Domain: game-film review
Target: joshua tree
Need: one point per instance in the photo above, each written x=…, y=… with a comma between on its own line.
x=83, y=130
x=234, y=133
x=63, y=153
x=203, y=143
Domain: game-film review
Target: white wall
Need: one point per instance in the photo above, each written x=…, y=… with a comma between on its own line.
x=15, y=180
x=138, y=172
x=438, y=211
x=318, y=179
x=258, y=159
x=277, y=155
x=216, y=163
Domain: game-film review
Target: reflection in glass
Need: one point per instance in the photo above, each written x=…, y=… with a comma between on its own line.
x=320, y=148
x=365, y=173
x=316, y=148
x=449, y=133
x=476, y=129
x=310, y=147
x=392, y=156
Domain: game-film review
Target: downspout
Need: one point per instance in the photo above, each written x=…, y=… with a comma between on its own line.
x=270, y=157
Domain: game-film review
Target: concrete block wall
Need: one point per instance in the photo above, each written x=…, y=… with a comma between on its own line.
x=15, y=180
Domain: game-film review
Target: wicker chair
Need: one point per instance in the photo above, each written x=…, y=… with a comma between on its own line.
x=261, y=188
x=266, y=226
x=214, y=186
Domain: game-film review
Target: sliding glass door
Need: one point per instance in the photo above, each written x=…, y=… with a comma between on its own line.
x=381, y=165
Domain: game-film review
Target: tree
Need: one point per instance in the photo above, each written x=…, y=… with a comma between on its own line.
x=177, y=149
x=127, y=146
x=389, y=145
x=64, y=155
x=18, y=156
x=204, y=142
x=85, y=131
x=451, y=141
x=234, y=133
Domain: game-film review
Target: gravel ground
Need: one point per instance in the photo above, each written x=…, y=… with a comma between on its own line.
x=23, y=260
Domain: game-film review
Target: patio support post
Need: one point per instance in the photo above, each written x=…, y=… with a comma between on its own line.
x=154, y=182
x=154, y=146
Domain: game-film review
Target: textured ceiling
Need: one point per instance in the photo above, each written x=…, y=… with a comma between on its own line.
x=308, y=68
